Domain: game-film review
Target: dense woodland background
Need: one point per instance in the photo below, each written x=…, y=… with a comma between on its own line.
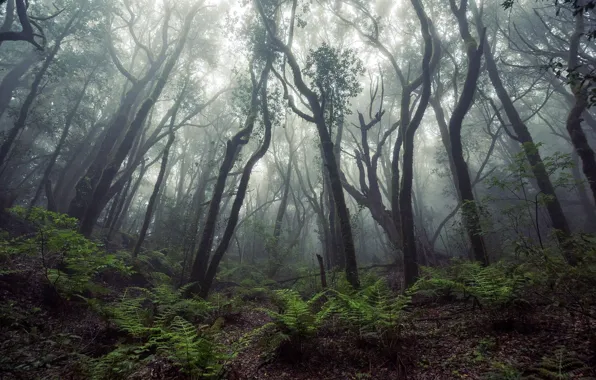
x=189, y=176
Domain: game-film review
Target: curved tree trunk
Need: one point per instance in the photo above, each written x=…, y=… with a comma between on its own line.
x=11, y=80
x=240, y=194
x=233, y=146
x=63, y=136
x=100, y=190
x=464, y=184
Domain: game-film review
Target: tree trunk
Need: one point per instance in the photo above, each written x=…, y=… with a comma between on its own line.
x=469, y=209
x=584, y=197
x=24, y=112
x=124, y=211
x=574, y=119
x=233, y=146
x=410, y=127
x=239, y=199
x=104, y=182
x=11, y=80
x=274, y=254
x=153, y=198
x=322, y=272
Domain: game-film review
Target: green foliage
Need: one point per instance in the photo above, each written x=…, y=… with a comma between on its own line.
x=139, y=308
x=44, y=218
x=567, y=286
x=339, y=283
x=294, y=321
x=562, y=364
x=373, y=313
x=512, y=187
x=335, y=75
x=161, y=323
x=70, y=261
x=520, y=172
x=158, y=267
x=494, y=286
x=254, y=294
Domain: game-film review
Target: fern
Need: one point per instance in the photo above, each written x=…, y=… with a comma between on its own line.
x=562, y=364
x=292, y=324
x=373, y=313
x=117, y=364
x=496, y=285
x=161, y=322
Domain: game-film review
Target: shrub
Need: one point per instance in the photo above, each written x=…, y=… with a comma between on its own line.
x=70, y=261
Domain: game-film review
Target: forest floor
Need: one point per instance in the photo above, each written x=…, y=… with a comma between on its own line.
x=46, y=337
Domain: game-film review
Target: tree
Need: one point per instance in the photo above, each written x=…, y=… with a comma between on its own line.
x=316, y=105
x=474, y=52
x=202, y=271
x=523, y=136
x=152, y=200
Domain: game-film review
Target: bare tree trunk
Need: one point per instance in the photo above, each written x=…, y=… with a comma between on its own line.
x=470, y=212
x=75, y=167
x=322, y=272
x=233, y=146
x=109, y=173
x=584, y=197
x=275, y=257
x=124, y=211
x=329, y=158
x=240, y=194
x=11, y=80
x=50, y=196
x=86, y=189
x=153, y=198
x=410, y=127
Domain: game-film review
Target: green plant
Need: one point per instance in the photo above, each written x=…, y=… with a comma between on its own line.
x=373, y=313
x=160, y=322
x=568, y=286
x=483, y=349
x=70, y=262
x=496, y=285
x=562, y=364
x=292, y=324
x=157, y=266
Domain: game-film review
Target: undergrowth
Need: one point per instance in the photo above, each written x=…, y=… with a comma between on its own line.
x=70, y=262
x=159, y=322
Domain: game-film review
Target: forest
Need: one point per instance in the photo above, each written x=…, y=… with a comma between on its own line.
x=297, y=189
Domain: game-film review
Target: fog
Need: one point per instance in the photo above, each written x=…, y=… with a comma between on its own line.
x=266, y=132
